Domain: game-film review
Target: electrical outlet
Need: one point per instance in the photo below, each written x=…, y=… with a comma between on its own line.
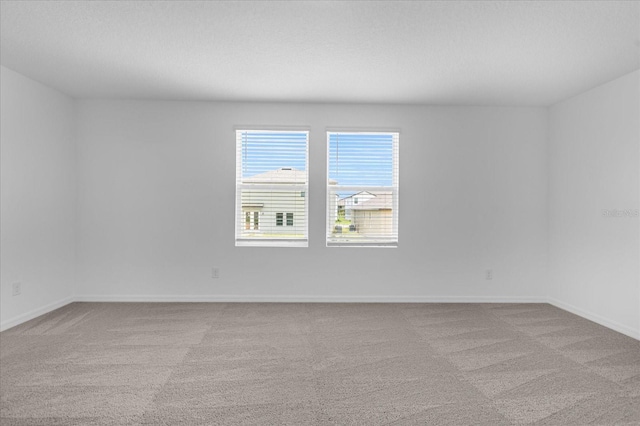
x=17, y=289
x=215, y=272
x=488, y=274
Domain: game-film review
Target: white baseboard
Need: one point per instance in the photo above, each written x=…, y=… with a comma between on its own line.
x=614, y=325
x=307, y=299
x=17, y=320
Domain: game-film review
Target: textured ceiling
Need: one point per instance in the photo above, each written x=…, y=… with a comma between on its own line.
x=480, y=53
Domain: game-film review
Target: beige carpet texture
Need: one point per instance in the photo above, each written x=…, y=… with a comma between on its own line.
x=317, y=364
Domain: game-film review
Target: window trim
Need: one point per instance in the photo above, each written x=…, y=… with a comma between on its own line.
x=295, y=187
x=394, y=189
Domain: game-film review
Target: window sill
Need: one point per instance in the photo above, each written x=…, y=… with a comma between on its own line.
x=272, y=243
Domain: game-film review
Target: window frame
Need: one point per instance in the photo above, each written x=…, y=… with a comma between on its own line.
x=332, y=189
x=240, y=221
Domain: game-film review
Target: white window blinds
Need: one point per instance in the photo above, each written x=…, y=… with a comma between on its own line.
x=271, y=188
x=362, y=189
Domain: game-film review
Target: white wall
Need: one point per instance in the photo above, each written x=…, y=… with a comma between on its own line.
x=594, y=166
x=147, y=203
x=156, y=205
x=38, y=198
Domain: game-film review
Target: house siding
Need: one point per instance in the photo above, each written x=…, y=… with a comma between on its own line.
x=268, y=204
x=373, y=222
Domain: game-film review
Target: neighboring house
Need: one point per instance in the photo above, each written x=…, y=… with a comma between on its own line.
x=345, y=205
x=370, y=212
x=333, y=202
x=272, y=211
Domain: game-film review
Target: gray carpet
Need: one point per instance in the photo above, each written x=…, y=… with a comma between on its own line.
x=317, y=364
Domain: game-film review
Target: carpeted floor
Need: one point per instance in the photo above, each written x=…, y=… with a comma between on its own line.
x=317, y=364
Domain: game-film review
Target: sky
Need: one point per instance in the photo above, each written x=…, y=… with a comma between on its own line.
x=360, y=159
x=264, y=151
x=355, y=159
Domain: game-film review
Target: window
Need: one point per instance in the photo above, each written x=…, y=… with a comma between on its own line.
x=280, y=219
x=271, y=187
x=251, y=220
x=362, y=189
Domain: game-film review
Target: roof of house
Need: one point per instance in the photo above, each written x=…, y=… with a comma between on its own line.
x=382, y=200
x=285, y=175
x=358, y=193
x=343, y=201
